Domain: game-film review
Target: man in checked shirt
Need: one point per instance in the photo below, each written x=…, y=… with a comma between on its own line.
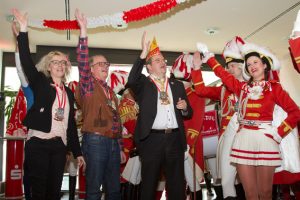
x=101, y=122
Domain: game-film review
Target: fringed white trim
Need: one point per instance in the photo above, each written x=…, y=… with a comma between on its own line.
x=115, y=20
x=180, y=1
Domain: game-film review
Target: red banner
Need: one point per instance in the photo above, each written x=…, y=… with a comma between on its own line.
x=210, y=124
x=14, y=169
x=193, y=127
x=15, y=126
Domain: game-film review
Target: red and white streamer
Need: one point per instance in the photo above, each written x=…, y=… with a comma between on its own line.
x=118, y=20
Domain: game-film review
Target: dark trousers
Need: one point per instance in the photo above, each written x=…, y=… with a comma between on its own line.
x=26, y=182
x=45, y=160
x=162, y=152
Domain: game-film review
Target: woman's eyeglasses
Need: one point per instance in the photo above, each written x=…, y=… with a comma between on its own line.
x=59, y=62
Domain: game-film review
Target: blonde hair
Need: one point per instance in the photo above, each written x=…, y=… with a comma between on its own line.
x=43, y=65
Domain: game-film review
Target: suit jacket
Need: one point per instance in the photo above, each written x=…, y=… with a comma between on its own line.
x=39, y=116
x=146, y=95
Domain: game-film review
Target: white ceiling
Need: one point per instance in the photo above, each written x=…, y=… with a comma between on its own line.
x=178, y=30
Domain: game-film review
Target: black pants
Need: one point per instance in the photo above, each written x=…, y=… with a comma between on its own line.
x=45, y=160
x=162, y=152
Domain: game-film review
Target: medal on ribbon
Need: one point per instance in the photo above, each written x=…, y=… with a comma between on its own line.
x=60, y=111
x=109, y=100
x=163, y=96
x=163, y=92
x=59, y=115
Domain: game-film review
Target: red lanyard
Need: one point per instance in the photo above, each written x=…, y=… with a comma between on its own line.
x=61, y=102
x=167, y=83
x=107, y=93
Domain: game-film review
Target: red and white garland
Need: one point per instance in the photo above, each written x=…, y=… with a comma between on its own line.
x=117, y=20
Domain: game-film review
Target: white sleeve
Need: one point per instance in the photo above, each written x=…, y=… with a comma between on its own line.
x=20, y=72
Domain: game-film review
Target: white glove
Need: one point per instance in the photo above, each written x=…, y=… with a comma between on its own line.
x=202, y=48
x=296, y=25
x=207, y=56
x=271, y=132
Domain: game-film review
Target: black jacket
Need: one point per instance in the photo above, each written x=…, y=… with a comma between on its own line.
x=146, y=96
x=39, y=116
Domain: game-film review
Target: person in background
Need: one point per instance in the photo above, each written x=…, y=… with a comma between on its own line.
x=229, y=124
x=128, y=110
x=29, y=101
x=71, y=165
x=159, y=133
x=50, y=120
x=294, y=43
x=194, y=160
x=255, y=150
x=102, y=129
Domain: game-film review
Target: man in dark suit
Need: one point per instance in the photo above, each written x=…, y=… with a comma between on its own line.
x=159, y=133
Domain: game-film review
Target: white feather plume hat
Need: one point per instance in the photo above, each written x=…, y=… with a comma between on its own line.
x=231, y=52
x=249, y=48
x=117, y=80
x=182, y=67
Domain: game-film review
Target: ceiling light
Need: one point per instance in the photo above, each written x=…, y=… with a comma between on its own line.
x=211, y=31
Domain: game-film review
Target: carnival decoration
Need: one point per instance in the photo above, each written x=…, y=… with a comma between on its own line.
x=117, y=20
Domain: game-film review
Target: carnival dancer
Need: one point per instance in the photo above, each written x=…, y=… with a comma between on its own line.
x=228, y=114
x=255, y=149
x=71, y=165
x=290, y=181
x=128, y=110
x=194, y=161
x=295, y=44
x=159, y=134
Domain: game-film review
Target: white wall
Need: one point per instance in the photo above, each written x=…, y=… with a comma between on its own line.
x=290, y=78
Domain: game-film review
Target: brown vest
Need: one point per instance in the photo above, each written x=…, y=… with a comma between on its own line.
x=97, y=115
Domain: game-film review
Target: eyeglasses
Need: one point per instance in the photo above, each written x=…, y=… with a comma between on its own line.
x=102, y=64
x=59, y=62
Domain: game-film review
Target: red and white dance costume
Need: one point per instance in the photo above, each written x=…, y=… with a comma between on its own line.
x=256, y=141
x=295, y=44
x=295, y=52
x=284, y=177
x=225, y=171
x=193, y=174
x=229, y=124
x=128, y=110
x=227, y=131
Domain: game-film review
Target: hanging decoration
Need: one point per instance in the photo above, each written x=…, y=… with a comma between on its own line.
x=118, y=20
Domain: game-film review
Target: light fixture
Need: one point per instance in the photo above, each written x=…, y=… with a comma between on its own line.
x=212, y=31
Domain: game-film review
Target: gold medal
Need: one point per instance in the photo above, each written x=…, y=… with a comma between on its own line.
x=163, y=96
